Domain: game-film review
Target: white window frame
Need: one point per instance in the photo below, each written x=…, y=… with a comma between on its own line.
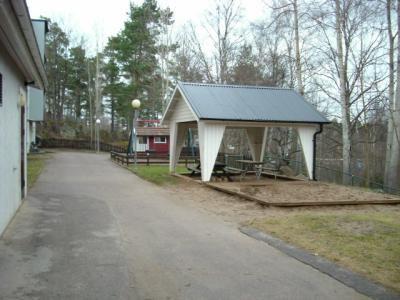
x=159, y=142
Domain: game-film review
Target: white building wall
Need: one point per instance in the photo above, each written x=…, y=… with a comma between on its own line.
x=10, y=143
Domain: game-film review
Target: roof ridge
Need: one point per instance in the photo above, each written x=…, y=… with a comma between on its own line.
x=235, y=86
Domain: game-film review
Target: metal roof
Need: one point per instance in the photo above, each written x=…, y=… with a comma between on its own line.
x=152, y=131
x=249, y=103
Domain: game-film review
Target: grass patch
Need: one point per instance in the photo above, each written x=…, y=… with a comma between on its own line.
x=367, y=243
x=157, y=174
x=36, y=163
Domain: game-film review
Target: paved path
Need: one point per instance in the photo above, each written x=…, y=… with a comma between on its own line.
x=92, y=230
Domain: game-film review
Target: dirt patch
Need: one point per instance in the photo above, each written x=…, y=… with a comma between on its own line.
x=238, y=210
x=231, y=208
x=279, y=191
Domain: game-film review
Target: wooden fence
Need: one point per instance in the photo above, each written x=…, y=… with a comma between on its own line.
x=149, y=158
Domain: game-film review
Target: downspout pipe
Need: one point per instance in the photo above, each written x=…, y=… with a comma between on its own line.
x=315, y=150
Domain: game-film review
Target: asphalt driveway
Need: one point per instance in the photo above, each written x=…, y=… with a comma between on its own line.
x=92, y=230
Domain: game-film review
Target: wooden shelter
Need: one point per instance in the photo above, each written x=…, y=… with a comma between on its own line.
x=212, y=108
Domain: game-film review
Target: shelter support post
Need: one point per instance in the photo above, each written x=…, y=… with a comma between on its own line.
x=257, y=137
x=306, y=135
x=177, y=139
x=210, y=138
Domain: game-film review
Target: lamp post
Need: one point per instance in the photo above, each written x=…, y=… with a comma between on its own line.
x=135, y=105
x=98, y=134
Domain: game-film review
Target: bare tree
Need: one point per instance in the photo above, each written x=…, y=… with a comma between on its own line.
x=346, y=58
x=223, y=41
x=270, y=55
x=287, y=14
x=344, y=96
x=297, y=47
x=391, y=179
x=187, y=65
x=222, y=23
x=166, y=48
x=204, y=61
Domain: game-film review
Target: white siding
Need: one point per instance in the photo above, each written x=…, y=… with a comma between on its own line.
x=181, y=111
x=210, y=138
x=10, y=166
x=306, y=134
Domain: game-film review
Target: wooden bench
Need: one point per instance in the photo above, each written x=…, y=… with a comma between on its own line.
x=219, y=170
x=193, y=169
x=235, y=172
x=274, y=170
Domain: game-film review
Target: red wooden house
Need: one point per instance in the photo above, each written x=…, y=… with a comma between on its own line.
x=154, y=139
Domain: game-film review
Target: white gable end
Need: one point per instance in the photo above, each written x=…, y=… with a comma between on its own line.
x=179, y=110
x=182, y=112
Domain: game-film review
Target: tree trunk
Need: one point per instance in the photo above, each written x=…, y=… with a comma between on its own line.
x=97, y=88
x=365, y=134
x=90, y=108
x=344, y=98
x=394, y=157
x=390, y=133
x=112, y=116
x=300, y=86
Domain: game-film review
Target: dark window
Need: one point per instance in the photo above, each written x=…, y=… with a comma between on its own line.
x=1, y=89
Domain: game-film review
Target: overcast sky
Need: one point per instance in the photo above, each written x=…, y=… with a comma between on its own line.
x=105, y=18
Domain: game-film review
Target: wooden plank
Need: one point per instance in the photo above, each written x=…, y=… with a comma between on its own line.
x=304, y=203
x=292, y=204
x=193, y=169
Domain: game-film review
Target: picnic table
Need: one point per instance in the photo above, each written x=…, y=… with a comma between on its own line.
x=259, y=166
x=248, y=164
x=218, y=170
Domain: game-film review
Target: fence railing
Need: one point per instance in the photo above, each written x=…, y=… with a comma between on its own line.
x=336, y=176
x=149, y=158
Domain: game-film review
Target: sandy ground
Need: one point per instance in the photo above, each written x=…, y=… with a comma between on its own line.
x=238, y=210
x=271, y=190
